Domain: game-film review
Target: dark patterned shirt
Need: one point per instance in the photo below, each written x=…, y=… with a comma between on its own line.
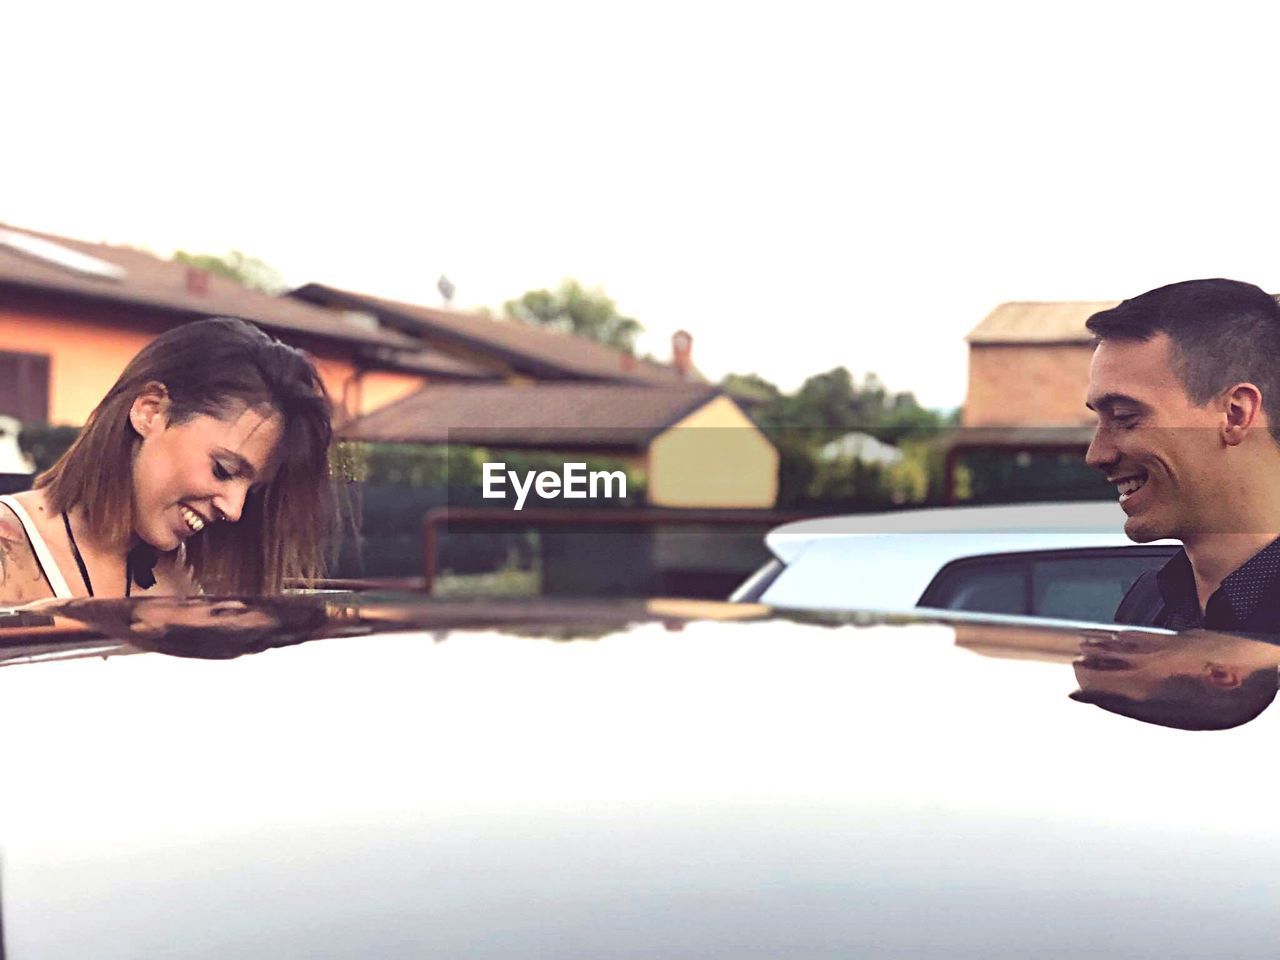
x=1232, y=604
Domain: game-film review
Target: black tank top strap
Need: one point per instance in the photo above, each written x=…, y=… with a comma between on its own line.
x=75, y=552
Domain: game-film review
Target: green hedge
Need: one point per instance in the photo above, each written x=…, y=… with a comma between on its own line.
x=457, y=467
x=407, y=464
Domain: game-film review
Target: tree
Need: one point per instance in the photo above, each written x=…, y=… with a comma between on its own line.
x=245, y=270
x=830, y=405
x=574, y=309
x=750, y=387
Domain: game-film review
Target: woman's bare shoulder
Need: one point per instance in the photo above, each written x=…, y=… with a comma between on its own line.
x=20, y=577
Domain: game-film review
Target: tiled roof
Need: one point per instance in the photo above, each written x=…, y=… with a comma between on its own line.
x=596, y=415
x=1032, y=322
x=146, y=280
x=542, y=353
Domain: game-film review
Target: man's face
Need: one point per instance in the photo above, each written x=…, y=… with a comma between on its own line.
x=1164, y=454
x=1129, y=664
x=1134, y=664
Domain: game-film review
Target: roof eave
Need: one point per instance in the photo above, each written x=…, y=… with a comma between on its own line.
x=193, y=313
x=520, y=362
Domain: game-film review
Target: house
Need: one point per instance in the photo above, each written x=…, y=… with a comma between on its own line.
x=72, y=314
x=692, y=442
x=558, y=392
x=1029, y=365
x=1024, y=424
x=506, y=349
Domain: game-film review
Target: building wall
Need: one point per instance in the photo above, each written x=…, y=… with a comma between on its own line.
x=715, y=457
x=1028, y=385
x=85, y=357
x=355, y=392
x=381, y=387
x=88, y=352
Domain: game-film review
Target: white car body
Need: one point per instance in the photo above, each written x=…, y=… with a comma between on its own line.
x=885, y=561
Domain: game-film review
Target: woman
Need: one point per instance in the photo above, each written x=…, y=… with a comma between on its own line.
x=205, y=468
x=206, y=628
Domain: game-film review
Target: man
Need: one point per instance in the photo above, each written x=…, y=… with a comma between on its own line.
x=1196, y=680
x=1185, y=382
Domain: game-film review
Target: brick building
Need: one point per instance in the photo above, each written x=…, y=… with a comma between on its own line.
x=1024, y=426
x=1029, y=365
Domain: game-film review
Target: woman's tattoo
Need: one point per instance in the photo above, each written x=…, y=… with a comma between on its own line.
x=12, y=540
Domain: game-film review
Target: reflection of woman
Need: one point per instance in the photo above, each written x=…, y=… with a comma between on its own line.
x=205, y=467
x=206, y=627
x=210, y=628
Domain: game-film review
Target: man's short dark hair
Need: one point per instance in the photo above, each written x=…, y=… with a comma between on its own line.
x=1188, y=703
x=1224, y=331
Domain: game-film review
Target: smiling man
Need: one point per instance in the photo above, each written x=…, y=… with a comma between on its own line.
x=1185, y=382
x=1198, y=680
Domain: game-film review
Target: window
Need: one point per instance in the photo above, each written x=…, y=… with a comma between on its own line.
x=983, y=584
x=1087, y=588
x=1084, y=584
x=24, y=386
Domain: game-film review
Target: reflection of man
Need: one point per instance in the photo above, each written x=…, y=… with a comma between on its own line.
x=1194, y=680
x=1184, y=381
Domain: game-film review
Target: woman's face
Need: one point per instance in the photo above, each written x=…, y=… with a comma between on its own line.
x=192, y=474
x=171, y=614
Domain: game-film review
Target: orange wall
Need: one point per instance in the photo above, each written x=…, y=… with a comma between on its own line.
x=356, y=394
x=380, y=387
x=339, y=378
x=86, y=357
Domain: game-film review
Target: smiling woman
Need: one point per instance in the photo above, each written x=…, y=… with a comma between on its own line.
x=205, y=467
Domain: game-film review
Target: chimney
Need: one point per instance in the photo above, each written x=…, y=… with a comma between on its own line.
x=682, y=352
x=628, y=362
x=197, y=281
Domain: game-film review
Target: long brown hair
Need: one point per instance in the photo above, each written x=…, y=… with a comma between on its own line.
x=215, y=367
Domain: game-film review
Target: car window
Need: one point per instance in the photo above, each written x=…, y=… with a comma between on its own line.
x=1086, y=588
x=996, y=586
x=1082, y=584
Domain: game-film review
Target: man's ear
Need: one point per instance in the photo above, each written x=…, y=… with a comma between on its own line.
x=1220, y=676
x=1243, y=407
x=150, y=410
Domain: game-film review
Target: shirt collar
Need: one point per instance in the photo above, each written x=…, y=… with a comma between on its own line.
x=1177, y=585
x=1243, y=588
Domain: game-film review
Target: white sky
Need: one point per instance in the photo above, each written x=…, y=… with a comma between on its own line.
x=800, y=185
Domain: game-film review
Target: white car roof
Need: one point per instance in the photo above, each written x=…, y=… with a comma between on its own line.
x=884, y=561
x=1100, y=517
